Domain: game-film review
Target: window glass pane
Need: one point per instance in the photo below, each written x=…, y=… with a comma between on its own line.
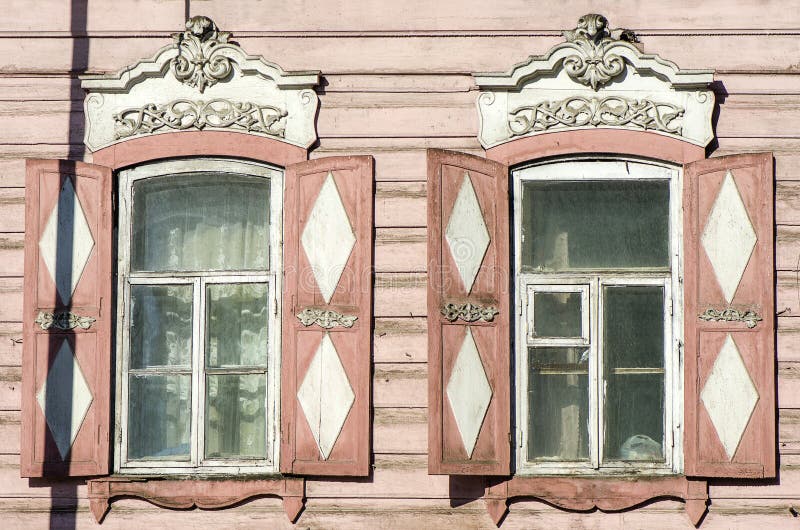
x=594, y=224
x=633, y=327
x=557, y=315
x=236, y=320
x=200, y=221
x=236, y=419
x=634, y=417
x=558, y=401
x=633, y=350
x=159, y=417
x=161, y=325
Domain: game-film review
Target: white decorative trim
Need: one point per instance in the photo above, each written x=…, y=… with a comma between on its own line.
x=469, y=312
x=203, y=69
x=596, y=64
x=184, y=114
x=614, y=111
x=65, y=320
x=325, y=318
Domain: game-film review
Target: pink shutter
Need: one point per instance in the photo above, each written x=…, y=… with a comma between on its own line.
x=66, y=320
x=327, y=304
x=729, y=317
x=468, y=315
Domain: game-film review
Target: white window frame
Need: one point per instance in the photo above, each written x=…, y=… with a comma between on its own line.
x=199, y=279
x=596, y=168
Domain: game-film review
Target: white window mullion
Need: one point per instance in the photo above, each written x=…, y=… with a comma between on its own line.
x=197, y=369
x=596, y=378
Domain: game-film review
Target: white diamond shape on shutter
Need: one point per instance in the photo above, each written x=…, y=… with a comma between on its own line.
x=729, y=237
x=67, y=224
x=328, y=238
x=469, y=392
x=466, y=233
x=64, y=398
x=326, y=396
x=729, y=396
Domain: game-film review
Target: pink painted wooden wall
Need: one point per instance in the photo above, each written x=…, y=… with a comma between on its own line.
x=397, y=82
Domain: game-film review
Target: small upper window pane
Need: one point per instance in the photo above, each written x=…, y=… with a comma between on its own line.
x=557, y=314
x=200, y=221
x=595, y=224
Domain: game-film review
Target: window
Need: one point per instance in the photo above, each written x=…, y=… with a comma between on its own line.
x=199, y=341
x=597, y=257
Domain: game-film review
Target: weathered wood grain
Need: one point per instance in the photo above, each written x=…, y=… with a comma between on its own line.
x=400, y=204
x=11, y=254
x=400, y=295
x=10, y=343
x=396, y=250
x=399, y=340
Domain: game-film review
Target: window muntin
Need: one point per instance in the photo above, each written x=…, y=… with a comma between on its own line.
x=199, y=250
x=580, y=384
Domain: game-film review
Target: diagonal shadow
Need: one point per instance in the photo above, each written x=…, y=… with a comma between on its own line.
x=64, y=494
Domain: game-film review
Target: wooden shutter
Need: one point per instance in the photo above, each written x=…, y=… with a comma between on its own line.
x=66, y=320
x=468, y=315
x=729, y=317
x=325, y=381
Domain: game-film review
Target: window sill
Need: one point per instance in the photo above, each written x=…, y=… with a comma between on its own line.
x=192, y=491
x=588, y=493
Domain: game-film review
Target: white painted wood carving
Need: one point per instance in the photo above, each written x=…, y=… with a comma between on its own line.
x=64, y=398
x=597, y=78
x=201, y=81
x=328, y=238
x=729, y=396
x=326, y=396
x=469, y=392
x=67, y=225
x=466, y=233
x=729, y=237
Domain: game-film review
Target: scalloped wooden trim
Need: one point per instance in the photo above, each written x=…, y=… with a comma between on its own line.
x=584, y=493
x=206, y=494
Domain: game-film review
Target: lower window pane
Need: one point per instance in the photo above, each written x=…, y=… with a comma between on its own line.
x=635, y=417
x=236, y=420
x=558, y=401
x=236, y=316
x=633, y=351
x=159, y=417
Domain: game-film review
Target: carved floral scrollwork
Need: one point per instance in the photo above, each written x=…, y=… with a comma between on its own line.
x=63, y=320
x=325, y=318
x=749, y=317
x=183, y=114
x=468, y=312
x=613, y=111
x=594, y=65
x=198, y=63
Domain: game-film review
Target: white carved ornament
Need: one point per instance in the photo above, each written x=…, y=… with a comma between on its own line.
x=201, y=81
x=597, y=78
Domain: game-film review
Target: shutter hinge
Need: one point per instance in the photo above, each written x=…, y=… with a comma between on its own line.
x=671, y=306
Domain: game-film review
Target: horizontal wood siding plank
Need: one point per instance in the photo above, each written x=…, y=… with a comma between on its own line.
x=376, y=15
x=400, y=295
x=415, y=54
x=12, y=254
x=399, y=340
x=396, y=250
x=10, y=343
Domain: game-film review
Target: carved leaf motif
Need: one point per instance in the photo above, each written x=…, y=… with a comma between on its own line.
x=325, y=318
x=593, y=64
x=199, y=63
x=469, y=312
x=183, y=114
x=749, y=317
x=64, y=321
x=614, y=111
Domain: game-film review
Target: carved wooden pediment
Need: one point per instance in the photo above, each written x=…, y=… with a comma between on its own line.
x=597, y=78
x=202, y=80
